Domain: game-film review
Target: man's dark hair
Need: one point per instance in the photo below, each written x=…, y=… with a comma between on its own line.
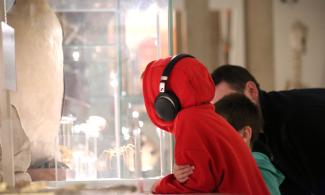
x=239, y=111
x=235, y=76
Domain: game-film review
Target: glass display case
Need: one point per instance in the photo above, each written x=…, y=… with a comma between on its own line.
x=105, y=131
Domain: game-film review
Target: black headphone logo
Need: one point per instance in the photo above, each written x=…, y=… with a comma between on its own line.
x=167, y=104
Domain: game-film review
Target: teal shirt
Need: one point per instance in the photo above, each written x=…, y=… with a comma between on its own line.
x=272, y=177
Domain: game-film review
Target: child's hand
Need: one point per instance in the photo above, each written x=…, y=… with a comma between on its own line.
x=182, y=172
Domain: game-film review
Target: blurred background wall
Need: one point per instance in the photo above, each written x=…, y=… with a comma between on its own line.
x=279, y=41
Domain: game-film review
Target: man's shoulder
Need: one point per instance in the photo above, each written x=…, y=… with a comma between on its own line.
x=297, y=92
x=289, y=99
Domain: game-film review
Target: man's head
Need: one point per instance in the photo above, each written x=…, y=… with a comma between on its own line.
x=242, y=114
x=234, y=79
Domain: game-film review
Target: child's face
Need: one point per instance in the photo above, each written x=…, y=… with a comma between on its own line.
x=246, y=134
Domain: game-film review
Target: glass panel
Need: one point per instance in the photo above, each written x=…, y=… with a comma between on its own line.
x=84, y=5
x=107, y=44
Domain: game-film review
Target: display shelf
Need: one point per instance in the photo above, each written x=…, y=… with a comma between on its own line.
x=106, y=45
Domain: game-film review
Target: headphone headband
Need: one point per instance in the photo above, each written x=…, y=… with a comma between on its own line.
x=167, y=104
x=168, y=69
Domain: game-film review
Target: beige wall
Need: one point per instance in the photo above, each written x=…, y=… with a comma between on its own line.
x=312, y=14
x=259, y=41
x=198, y=30
x=237, y=25
x=267, y=25
x=251, y=17
x=195, y=31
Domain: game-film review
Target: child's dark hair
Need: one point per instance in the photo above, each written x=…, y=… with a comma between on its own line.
x=239, y=111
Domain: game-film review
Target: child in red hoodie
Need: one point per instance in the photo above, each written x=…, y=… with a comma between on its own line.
x=177, y=93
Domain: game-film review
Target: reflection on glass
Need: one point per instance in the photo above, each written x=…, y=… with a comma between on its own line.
x=105, y=131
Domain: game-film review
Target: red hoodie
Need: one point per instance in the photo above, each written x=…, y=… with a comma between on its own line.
x=223, y=162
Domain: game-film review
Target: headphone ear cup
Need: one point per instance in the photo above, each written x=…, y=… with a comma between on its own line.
x=167, y=106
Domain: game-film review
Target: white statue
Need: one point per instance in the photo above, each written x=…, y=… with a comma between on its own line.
x=22, y=152
x=39, y=67
x=298, y=41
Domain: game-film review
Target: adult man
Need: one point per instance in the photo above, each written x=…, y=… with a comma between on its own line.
x=293, y=127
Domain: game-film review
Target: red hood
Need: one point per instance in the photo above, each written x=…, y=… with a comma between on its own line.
x=189, y=80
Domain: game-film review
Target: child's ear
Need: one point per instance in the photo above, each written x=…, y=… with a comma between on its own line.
x=247, y=134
